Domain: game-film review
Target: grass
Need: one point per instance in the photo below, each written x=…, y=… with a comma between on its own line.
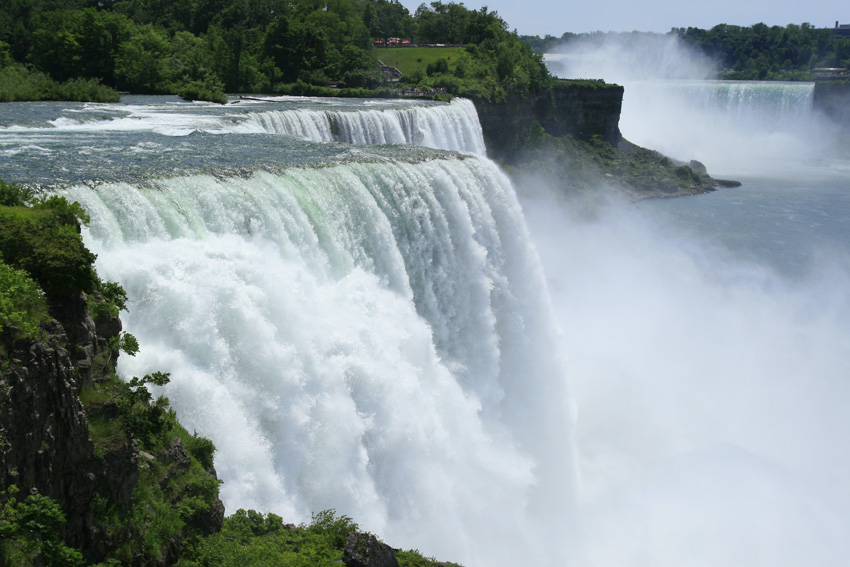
x=408, y=59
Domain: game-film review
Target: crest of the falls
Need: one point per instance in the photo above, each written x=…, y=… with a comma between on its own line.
x=373, y=337
x=448, y=127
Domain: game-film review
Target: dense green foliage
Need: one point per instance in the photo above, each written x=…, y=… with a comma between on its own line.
x=30, y=532
x=43, y=260
x=200, y=49
x=22, y=304
x=490, y=71
x=738, y=52
x=44, y=241
x=171, y=496
x=762, y=52
x=17, y=82
x=252, y=539
x=41, y=236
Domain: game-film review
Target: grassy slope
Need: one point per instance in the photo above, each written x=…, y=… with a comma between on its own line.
x=407, y=59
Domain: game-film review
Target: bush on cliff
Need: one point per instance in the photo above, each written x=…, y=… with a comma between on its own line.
x=44, y=240
x=252, y=539
x=22, y=305
x=30, y=532
x=156, y=485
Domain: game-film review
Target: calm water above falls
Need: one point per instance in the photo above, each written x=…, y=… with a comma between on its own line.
x=382, y=329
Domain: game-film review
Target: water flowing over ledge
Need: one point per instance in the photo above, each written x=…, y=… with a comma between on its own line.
x=451, y=127
x=364, y=336
x=56, y=144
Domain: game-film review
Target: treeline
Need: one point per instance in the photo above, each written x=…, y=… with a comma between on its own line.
x=201, y=47
x=745, y=53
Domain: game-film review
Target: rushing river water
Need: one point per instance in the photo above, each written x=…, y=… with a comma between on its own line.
x=359, y=311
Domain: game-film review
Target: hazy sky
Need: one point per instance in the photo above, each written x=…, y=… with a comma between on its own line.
x=541, y=17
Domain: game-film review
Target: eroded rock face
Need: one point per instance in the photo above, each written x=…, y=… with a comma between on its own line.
x=364, y=550
x=581, y=110
x=45, y=442
x=45, y=445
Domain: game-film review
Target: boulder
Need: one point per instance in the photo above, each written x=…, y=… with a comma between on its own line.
x=364, y=550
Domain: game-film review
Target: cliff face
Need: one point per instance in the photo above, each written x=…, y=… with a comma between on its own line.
x=47, y=446
x=570, y=139
x=833, y=100
x=581, y=109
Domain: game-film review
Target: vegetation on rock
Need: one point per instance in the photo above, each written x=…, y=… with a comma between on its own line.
x=150, y=484
x=588, y=165
x=252, y=539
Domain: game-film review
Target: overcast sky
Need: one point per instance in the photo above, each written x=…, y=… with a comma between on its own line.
x=554, y=17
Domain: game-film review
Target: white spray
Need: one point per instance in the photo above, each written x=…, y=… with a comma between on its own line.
x=672, y=104
x=374, y=338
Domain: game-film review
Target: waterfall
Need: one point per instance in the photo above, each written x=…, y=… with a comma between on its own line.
x=728, y=125
x=746, y=102
x=452, y=127
x=671, y=105
x=370, y=337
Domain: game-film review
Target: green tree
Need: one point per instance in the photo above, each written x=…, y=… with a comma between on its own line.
x=30, y=532
x=79, y=43
x=141, y=62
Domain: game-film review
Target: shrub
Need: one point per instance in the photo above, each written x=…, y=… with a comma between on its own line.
x=12, y=195
x=22, y=304
x=17, y=83
x=30, y=532
x=210, y=89
x=45, y=242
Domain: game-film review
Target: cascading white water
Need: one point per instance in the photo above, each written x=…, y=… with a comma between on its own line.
x=371, y=337
x=452, y=127
x=672, y=104
x=728, y=125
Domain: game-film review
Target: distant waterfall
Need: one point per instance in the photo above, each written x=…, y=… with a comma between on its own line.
x=728, y=125
x=745, y=101
x=447, y=127
x=373, y=337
